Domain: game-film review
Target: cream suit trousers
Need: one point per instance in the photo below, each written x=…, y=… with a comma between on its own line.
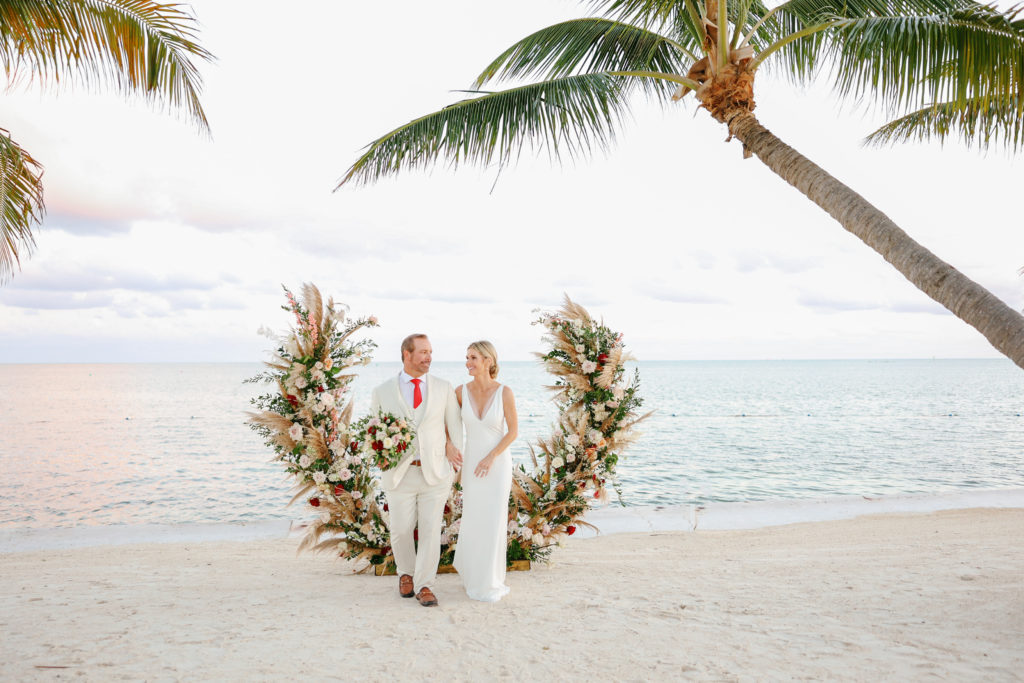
x=415, y=501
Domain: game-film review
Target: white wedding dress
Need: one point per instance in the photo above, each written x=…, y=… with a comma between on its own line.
x=483, y=533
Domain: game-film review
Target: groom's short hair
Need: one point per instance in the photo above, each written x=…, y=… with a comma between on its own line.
x=409, y=343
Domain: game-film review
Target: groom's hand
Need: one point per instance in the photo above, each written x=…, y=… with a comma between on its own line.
x=453, y=455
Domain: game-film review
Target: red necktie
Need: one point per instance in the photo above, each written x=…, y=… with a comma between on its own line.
x=417, y=395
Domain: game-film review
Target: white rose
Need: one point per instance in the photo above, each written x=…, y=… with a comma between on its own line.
x=300, y=382
x=319, y=477
x=305, y=461
x=557, y=462
x=388, y=443
x=580, y=348
x=325, y=517
x=345, y=474
x=588, y=366
x=546, y=529
x=327, y=400
x=618, y=393
x=573, y=440
x=538, y=540
x=570, y=457
x=356, y=495
x=594, y=436
x=600, y=414
x=295, y=431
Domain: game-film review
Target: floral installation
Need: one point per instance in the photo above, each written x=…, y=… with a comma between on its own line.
x=597, y=406
x=310, y=433
x=334, y=461
x=382, y=438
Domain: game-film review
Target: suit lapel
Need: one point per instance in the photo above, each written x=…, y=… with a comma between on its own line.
x=406, y=408
x=430, y=396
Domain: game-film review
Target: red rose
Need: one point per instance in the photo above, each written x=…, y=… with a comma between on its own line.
x=355, y=446
x=385, y=507
x=597, y=493
x=447, y=509
x=603, y=357
x=570, y=530
x=291, y=399
x=338, y=489
x=371, y=431
x=416, y=534
x=320, y=390
x=315, y=502
x=378, y=446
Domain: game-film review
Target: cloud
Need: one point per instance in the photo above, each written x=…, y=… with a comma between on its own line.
x=681, y=296
x=72, y=278
x=826, y=304
x=748, y=261
x=82, y=224
x=922, y=306
x=56, y=300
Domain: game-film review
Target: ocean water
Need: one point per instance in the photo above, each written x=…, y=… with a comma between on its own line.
x=87, y=445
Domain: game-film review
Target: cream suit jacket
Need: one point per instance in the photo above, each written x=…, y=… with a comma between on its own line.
x=441, y=409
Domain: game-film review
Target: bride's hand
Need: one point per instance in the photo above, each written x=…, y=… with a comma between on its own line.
x=484, y=466
x=453, y=455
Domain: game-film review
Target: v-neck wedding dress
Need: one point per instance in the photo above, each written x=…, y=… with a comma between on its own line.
x=483, y=532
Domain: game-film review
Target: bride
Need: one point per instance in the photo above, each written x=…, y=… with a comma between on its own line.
x=489, y=415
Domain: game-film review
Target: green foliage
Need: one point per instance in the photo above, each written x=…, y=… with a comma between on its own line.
x=572, y=115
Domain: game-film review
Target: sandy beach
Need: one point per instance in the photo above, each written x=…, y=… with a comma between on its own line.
x=894, y=596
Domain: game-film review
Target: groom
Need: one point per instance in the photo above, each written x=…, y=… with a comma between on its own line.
x=418, y=487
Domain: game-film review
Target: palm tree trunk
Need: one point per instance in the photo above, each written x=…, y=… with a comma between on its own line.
x=969, y=301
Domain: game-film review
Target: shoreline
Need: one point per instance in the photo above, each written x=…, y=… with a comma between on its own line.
x=609, y=520
x=890, y=596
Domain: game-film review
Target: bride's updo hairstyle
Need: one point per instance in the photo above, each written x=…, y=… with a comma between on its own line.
x=487, y=350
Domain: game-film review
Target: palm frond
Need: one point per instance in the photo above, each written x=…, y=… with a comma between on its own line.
x=678, y=19
x=570, y=115
x=979, y=122
x=589, y=45
x=21, y=203
x=899, y=51
x=137, y=46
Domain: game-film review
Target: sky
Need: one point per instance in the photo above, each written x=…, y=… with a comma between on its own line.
x=163, y=244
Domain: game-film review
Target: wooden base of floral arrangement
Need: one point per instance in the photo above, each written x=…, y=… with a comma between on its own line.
x=388, y=569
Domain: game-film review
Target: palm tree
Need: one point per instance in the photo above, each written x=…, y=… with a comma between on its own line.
x=136, y=46
x=956, y=66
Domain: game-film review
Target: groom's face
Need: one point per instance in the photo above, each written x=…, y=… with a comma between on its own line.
x=417, y=362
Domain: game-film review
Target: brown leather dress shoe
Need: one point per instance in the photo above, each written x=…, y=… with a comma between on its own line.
x=405, y=586
x=426, y=597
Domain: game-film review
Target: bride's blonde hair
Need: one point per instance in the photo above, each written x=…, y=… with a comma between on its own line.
x=487, y=350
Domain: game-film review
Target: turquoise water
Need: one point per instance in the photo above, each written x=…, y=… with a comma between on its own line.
x=166, y=443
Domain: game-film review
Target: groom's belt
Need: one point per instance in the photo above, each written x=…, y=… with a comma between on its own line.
x=417, y=463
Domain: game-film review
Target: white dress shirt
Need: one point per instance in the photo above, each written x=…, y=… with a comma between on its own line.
x=408, y=388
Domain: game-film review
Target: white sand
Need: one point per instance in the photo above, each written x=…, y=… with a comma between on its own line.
x=897, y=596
